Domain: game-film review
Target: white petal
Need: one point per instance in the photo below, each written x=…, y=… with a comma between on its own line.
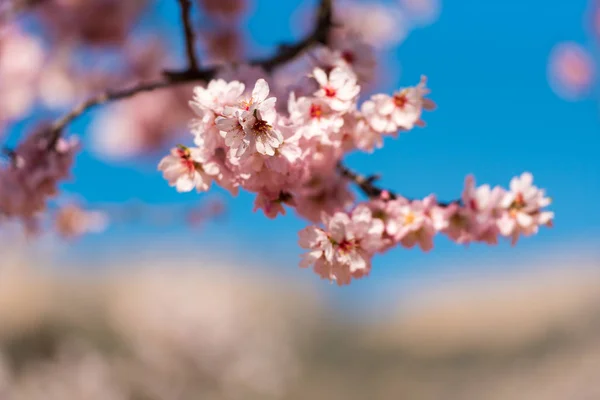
x=260, y=91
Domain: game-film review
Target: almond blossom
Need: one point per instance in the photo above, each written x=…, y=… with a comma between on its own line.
x=342, y=250
x=348, y=51
x=416, y=226
x=250, y=124
x=261, y=133
x=401, y=111
x=523, y=206
x=217, y=95
x=339, y=88
x=21, y=62
x=313, y=117
x=186, y=168
x=31, y=179
x=278, y=127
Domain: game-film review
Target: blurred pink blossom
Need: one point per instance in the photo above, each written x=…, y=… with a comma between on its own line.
x=72, y=221
x=422, y=12
x=571, y=70
x=21, y=61
x=381, y=25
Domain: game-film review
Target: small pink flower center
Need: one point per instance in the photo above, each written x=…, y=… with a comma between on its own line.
x=519, y=200
x=346, y=246
x=189, y=165
x=245, y=104
x=473, y=205
x=409, y=218
x=316, y=111
x=400, y=100
x=183, y=153
x=517, y=205
x=329, y=91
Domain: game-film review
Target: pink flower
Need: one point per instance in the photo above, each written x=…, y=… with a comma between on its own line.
x=389, y=211
x=415, y=223
x=344, y=249
x=364, y=137
x=480, y=212
x=381, y=25
x=217, y=95
x=250, y=124
x=523, y=206
x=234, y=134
x=186, y=168
x=259, y=101
x=338, y=88
x=262, y=135
x=348, y=51
x=571, y=70
x=21, y=63
x=313, y=117
x=32, y=177
x=402, y=111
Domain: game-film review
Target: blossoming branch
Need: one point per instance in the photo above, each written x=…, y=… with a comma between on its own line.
x=282, y=134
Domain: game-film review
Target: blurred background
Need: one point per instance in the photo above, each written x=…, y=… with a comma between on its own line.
x=183, y=296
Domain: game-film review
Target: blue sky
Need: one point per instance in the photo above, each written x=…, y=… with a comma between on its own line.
x=496, y=117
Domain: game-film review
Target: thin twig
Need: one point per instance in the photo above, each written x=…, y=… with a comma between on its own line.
x=323, y=24
x=190, y=39
x=367, y=185
x=320, y=34
x=102, y=98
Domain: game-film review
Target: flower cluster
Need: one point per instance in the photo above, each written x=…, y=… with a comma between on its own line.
x=32, y=176
x=287, y=158
x=343, y=249
x=290, y=156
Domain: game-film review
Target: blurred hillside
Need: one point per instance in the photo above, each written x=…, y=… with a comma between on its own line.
x=163, y=332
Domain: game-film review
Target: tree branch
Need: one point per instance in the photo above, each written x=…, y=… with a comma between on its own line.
x=193, y=67
x=364, y=183
x=319, y=34
x=367, y=185
x=102, y=98
x=188, y=32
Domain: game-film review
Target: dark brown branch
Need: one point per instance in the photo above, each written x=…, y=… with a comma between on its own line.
x=364, y=183
x=323, y=24
x=103, y=98
x=190, y=39
x=367, y=185
x=320, y=34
